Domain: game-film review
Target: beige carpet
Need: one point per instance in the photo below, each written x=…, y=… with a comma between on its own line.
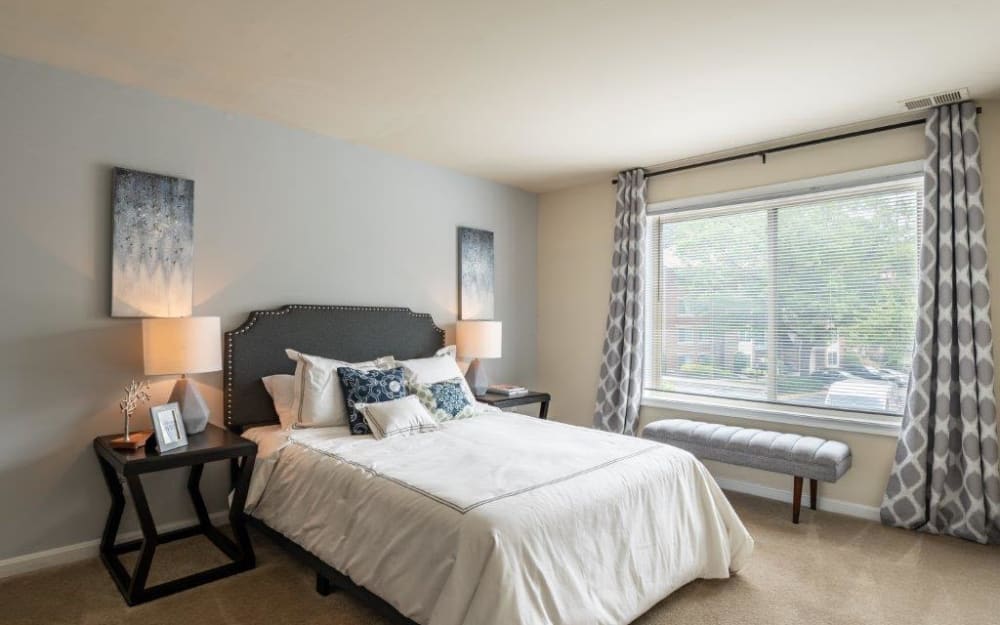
x=828, y=570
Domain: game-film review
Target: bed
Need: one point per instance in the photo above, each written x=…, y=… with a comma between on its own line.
x=492, y=520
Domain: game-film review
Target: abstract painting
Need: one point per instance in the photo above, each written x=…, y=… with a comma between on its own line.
x=152, y=245
x=475, y=285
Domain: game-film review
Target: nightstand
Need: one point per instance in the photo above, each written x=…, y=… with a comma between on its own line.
x=214, y=444
x=509, y=401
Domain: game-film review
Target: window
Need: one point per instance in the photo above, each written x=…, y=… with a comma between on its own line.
x=797, y=297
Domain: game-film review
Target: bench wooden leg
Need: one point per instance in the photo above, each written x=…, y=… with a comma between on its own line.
x=813, y=484
x=796, y=499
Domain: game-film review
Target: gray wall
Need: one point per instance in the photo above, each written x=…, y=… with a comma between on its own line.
x=281, y=216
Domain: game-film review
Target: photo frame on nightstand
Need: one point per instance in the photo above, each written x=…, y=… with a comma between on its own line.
x=168, y=426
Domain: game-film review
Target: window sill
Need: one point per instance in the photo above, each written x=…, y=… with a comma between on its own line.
x=789, y=415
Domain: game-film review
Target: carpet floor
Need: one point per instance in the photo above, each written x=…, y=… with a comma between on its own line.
x=828, y=570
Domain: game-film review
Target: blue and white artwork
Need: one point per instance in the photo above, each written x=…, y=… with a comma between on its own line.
x=475, y=254
x=152, y=258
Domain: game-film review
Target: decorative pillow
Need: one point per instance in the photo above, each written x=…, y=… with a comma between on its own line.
x=445, y=400
x=318, y=400
x=397, y=417
x=369, y=387
x=438, y=368
x=281, y=388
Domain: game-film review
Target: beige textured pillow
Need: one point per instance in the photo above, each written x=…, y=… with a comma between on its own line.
x=318, y=397
x=397, y=417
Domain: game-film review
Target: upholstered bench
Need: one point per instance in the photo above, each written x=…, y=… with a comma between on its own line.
x=798, y=456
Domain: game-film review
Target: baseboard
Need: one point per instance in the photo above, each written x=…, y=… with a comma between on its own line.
x=869, y=513
x=87, y=549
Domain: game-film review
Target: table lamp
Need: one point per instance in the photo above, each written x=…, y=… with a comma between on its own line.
x=478, y=339
x=179, y=346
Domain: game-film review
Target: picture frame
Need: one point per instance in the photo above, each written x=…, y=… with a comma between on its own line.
x=475, y=274
x=169, y=427
x=152, y=245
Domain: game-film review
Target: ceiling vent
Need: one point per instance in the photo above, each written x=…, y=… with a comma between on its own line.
x=936, y=99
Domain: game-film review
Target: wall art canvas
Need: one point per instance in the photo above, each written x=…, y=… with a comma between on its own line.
x=152, y=245
x=475, y=285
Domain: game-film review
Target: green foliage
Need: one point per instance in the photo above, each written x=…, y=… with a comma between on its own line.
x=844, y=270
x=703, y=371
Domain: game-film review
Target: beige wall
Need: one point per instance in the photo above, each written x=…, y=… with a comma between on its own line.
x=574, y=251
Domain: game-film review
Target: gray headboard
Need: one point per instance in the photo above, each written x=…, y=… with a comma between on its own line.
x=353, y=333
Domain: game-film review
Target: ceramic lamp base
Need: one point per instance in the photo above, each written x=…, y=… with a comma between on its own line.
x=477, y=378
x=194, y=410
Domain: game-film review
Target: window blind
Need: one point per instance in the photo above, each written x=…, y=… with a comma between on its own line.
x=805, y=299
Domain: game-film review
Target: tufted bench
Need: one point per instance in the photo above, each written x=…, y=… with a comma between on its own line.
x=798, y=456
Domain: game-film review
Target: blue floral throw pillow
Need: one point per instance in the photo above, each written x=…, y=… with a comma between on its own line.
x=445, y=400
x=369, y=387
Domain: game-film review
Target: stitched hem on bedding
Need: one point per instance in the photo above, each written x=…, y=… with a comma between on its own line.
x=421, y=428
x=483, y=502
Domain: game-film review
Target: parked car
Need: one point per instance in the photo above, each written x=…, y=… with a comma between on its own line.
x=832, y=375
x=861, y=371
x=866, y=395
x=898, y=377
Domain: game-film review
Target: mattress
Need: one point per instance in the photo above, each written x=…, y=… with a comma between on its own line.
x=501, y=518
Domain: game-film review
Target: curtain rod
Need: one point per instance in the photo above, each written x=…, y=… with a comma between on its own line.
x=791, y=146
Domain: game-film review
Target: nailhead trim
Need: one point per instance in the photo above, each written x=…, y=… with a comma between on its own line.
x=284, y=310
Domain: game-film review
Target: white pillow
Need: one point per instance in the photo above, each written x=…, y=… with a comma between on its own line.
x=281, y=388
x=440, y=367
x=318, y=399
x=397, y=417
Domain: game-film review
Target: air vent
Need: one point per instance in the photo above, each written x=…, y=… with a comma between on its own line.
x=937, y=99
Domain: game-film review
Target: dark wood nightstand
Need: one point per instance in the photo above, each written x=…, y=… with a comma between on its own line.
x=212, y=445
x=509, y=401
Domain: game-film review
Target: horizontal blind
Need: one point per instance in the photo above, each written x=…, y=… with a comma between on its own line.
x=805, y=300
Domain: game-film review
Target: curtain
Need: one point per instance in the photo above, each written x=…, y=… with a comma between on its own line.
x=619, y=389
x=945, y=477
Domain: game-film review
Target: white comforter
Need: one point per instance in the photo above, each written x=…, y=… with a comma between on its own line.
x=503, y=519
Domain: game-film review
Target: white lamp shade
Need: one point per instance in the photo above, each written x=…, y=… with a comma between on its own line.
x=181, y=345
x=478, y=339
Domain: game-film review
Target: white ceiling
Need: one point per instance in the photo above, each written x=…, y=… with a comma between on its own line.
x=539, y=94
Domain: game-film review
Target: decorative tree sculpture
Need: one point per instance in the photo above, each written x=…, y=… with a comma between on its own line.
x=135, y=393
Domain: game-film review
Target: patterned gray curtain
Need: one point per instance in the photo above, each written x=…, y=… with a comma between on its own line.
x=620, y=387
x=945, y=477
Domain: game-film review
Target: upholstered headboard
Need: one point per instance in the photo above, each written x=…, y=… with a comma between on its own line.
x=354, y=333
